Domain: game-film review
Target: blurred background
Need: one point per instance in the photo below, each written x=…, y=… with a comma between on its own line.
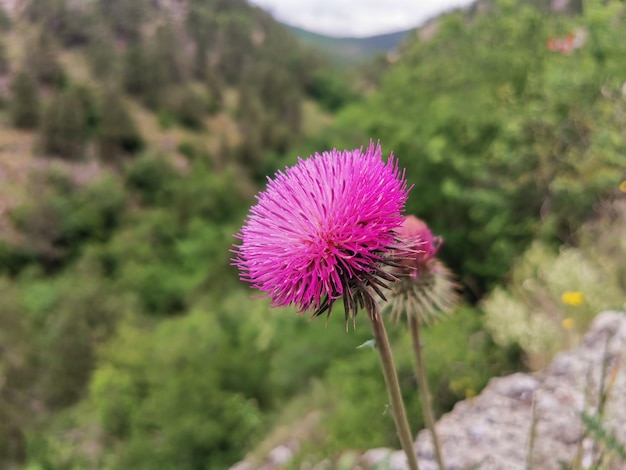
x=133, y=137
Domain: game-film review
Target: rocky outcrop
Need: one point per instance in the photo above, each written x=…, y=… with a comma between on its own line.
x=492, y=430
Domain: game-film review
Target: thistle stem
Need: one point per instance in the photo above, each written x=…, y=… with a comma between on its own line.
x=422, y=384
x=393, y=388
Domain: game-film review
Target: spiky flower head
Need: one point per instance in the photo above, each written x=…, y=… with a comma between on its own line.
x=322, y=230
x=426, y=287
x=420, y=245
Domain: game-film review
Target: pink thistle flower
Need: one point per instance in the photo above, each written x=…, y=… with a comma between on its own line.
x=322, y=230
x=426, y=288
x=421, y=245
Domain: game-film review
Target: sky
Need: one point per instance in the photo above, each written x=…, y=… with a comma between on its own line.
x=356, y=18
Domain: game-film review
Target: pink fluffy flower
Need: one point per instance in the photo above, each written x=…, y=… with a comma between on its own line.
x=322, y=229
x=415, y=233
x=425, y=289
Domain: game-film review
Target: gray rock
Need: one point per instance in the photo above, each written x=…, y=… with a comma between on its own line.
x=242, y=466
x=492, y=430
x=280, y=455
x=376, y=456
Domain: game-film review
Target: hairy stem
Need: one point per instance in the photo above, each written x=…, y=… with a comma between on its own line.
x=393, y=387
x=422, y=383
x=533, y=435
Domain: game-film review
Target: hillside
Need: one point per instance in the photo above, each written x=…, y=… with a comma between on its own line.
x=350, y=50
x=130, y=133
x=110, y=53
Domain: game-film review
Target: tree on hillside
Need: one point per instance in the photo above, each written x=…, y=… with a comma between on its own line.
x=48, y=13
x=5, y=64
x=42, y=60
x=18, y=372
x=201, y=25
x=188, y=106
x=149, y=69
x=5, y=20
x=125, y=18
x=234, y=45
x=70, y=23
x=64, y=126
x=133, y=69
x=167, y=48
x=214, y=86
x=102, y=59
x=164, y=67
x=24, y=105
x=117, y=133
x=89, y=107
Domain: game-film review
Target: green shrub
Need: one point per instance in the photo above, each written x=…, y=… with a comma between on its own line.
x=5, y=21
x=61, y=217
x=124, y=18
x=81, y=316
x=102, y=56
x=42, y=61
x=64, y=126
x=5, y=63
x=219, y=197
x=133, y=69
x=190, y=109
x=161, y=392
x=18, y=369
x=151, y=177
x=117, y=134
x=499, y=158
x=552, y=297
x=330, y=91
x=24, y=105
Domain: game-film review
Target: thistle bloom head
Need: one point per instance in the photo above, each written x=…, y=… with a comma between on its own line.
x=322, y=229
x=425, y=288
x=421, y=245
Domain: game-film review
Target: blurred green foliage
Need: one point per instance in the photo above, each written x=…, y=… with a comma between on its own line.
x=155, y=394
x=62, y=217
x=64, y=126
x=503, y=139
x=535, y=309
x=41, y=58
x=24, y=104
x=117, y=134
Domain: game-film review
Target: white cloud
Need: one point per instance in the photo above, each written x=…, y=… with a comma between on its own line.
x=356, y=17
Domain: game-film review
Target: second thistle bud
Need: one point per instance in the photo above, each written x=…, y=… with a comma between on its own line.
x=421, y=245
x=425, y=288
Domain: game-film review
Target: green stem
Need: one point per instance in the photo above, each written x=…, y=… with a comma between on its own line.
x=533, y=435
x=422, y=384
x=393, y=388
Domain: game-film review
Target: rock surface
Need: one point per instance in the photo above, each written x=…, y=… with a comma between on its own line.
x=492, y=430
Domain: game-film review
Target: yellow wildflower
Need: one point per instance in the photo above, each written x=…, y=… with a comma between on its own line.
x=572, y=298
x=622, y=186
x=568, y=323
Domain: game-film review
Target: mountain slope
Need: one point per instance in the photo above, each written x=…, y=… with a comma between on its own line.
x=350, y=49
x=132, y=135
